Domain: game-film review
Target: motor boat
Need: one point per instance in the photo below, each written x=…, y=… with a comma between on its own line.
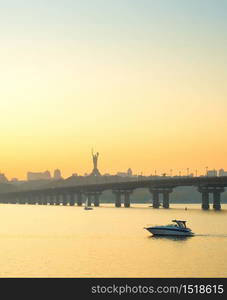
x=88, y=208
x=178, y=228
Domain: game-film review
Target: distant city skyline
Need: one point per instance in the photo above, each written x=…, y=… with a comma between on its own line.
x=57, y=174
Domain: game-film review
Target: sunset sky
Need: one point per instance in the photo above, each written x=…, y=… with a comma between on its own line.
x=143, y=82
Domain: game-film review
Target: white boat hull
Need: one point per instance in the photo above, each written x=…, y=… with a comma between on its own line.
x=168, y=232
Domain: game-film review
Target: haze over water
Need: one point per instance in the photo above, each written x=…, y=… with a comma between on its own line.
x=58, y=241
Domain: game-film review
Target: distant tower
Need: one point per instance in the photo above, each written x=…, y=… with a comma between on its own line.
x=57, y=174
x=95, y=171
x=129, y=172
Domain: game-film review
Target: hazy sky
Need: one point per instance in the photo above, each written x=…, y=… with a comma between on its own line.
x=141, y=81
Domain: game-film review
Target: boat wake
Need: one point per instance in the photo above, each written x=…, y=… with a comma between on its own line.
x=211, y=235
x=169, y=237
x=182, y=238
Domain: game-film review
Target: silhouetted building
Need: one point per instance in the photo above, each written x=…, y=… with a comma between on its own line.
x=125, y=174
x=3, y=178
x=222, y=172
x=212, y=173
x=74, y=174
x=38, y=176
x=57, y=174
x=14, y=180
x=122, y=174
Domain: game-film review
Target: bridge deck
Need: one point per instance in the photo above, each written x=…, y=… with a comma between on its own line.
x=129, y=185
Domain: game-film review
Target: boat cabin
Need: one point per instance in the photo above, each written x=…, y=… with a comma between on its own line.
x=180, y=223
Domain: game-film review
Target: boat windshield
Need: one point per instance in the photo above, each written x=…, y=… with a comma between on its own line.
x=181, y=224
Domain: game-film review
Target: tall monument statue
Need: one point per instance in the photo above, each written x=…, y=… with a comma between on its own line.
x=95, y=171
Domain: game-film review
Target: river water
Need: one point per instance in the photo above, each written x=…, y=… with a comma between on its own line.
x=58, y=241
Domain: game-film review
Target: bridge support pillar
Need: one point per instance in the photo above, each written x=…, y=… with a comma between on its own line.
x=64, y=199
x=79, y=199
x=166, y=198
x=21, y=200
x=45, y=199
x=127, y=198
x=13, y=200
x=51, y=199
x=205, y=200
x=216, y=191
x=34, y=199
x=28, y=199
x=217, y=198
x=205, y=197
x=117, y=198
x=96, y=199
x=39, y=200
x=57, y=199
x=156, y=203
x=31, y=199
x=155, y=196
x=72, y=199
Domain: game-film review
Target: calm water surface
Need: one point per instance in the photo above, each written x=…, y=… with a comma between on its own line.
x=57, y=241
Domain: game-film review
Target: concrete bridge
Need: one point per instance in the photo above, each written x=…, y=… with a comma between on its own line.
x=157, y=186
